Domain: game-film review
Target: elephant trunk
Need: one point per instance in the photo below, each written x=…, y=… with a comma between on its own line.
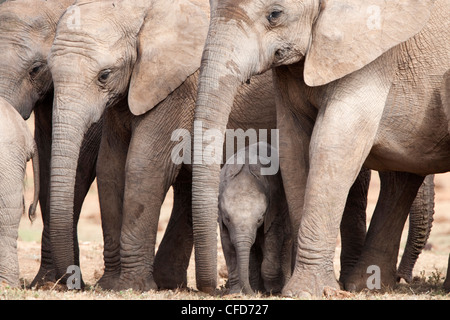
x=218, y=85
x=243, y=246
x=420, y=222
x=70, y=125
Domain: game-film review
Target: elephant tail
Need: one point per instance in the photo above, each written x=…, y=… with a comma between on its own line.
x=33, y=206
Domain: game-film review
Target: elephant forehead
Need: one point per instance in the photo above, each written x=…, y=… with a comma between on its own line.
x=99, y=28
x=244, y=197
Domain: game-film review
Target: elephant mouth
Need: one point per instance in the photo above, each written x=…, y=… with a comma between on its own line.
x=287, y=54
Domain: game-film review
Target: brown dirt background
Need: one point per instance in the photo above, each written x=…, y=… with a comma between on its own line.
x=430, y=269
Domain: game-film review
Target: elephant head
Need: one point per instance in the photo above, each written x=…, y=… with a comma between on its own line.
x=26, y=35
x=332, y=38
x=119, y=51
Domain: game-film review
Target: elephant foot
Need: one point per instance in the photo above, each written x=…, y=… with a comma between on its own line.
x=109, y=280
x=447, y=284
x=43, y=277
x=239, y=290
x=308, y=284
x=273, y=286
x=137, y=282
x=170, y=278
x=373, y=274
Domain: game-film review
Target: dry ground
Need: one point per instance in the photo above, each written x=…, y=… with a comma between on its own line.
x=429, y=271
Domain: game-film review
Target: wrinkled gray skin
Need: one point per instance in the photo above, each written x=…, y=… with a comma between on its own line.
x=16, y=148
x=27, y=29
x=254, y=224
x=345, y=94
x=420, y=223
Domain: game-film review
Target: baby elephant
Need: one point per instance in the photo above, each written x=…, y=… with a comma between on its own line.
x=254, y=222
x=17, y=146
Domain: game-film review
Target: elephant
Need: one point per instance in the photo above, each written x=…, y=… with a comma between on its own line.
x=27, y=29
x=139, y=74
x=254, y=221
x=18, y=146
x=348, y=75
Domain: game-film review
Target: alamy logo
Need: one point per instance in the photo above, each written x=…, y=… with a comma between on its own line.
x=374, y=20
x=73, y=17
x=373, y=281
x=208, y=146
x=74, y=280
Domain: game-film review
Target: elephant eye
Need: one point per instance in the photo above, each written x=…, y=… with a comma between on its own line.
x=35, y=69
x=274, y=15
x=104, y=75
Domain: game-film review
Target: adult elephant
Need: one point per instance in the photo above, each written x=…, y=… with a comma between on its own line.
x=138, y=69
x=27, y=29
x=364, y=69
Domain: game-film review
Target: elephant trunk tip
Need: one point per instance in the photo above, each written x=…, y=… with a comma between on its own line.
x=32, y=212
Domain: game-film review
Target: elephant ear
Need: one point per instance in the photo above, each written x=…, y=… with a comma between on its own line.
x=349, y=34
x=170, y=48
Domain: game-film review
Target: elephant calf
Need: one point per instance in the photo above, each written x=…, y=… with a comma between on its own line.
x=254, y=222
x=17, y=147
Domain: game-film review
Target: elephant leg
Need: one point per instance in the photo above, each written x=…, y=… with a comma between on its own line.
x=174, y=252
x=230, y=258
x=255, y=263
x=295, y=129
x=380, y=251
x=111, y=184
x=447, y=277
x=150, y=172
x=12, y=172
x=343, y=135
x=9, y=226
x=353, y=224
x=271, y=267
x=420, y=221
